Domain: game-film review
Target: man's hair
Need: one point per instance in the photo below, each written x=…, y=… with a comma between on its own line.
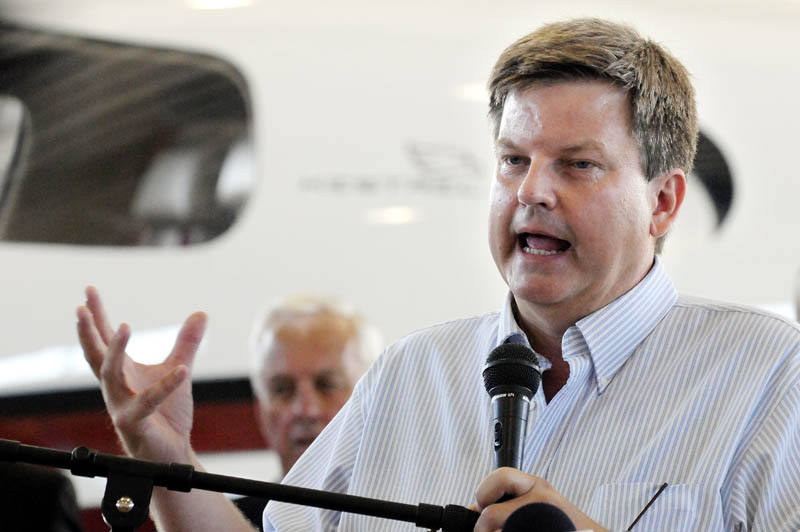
x=283, y=312
x=664, y=119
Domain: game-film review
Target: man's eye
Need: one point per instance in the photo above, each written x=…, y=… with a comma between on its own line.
x=513, y=160
x=583, y=165
x=281, y=390
x=326, y=384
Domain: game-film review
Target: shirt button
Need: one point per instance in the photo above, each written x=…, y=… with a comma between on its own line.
x=602, y=381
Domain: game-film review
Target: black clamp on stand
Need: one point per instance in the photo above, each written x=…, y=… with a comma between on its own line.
x=130, y=483
x=126, y=501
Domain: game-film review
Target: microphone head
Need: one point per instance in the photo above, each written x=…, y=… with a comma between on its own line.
x=538, y=517
x=511, y=364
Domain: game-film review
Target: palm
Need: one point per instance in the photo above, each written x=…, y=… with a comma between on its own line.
x=150, y=405
x=171, y=421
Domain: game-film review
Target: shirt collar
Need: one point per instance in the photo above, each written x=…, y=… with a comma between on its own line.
x=510, y=331
x=611, y=333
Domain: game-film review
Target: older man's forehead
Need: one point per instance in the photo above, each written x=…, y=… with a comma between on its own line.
x=308, y=354
x=287, y=376
x=319, y=327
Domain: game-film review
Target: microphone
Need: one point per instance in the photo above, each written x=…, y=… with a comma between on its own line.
x=511, y=376
x=538, y=517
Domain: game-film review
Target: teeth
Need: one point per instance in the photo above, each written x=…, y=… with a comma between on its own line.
x=533, y=251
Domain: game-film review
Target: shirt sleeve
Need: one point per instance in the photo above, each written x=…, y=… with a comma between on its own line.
x=326, y=465
x=763, y=487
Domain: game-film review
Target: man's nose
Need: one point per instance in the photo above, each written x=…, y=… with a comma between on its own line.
x=537, y=187
x=307, y=401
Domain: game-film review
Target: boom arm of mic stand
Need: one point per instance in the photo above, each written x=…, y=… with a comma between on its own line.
x=130, y=484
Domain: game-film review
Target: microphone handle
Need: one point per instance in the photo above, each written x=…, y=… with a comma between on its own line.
x=510, y=412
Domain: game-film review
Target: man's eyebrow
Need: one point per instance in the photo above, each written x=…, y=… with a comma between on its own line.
x=585, y=145
x=329, y=373
x=504, y=143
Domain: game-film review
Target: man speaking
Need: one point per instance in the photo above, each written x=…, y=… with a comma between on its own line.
x=657, y=409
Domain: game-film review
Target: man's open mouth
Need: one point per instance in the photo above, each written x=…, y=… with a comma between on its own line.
x=538, y=244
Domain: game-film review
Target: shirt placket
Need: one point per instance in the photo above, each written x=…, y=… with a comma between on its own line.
x=550, y=423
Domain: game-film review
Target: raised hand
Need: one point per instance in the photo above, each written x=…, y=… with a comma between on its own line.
x=150, y=405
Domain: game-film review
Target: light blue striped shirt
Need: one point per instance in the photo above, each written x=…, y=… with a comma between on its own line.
x=662, y=388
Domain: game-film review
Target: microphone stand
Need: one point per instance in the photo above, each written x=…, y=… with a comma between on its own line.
x=130, y=483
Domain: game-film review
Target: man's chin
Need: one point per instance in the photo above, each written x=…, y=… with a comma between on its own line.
x=298, y=450
x=300, y=447
x=538, y=292
x=293, y=457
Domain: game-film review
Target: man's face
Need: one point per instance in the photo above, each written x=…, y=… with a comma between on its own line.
x=309, y=373
x=570, y=212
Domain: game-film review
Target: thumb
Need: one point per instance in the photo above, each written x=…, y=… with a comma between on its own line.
x=188, y=340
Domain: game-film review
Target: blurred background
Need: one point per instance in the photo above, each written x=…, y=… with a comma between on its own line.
x=216, y=154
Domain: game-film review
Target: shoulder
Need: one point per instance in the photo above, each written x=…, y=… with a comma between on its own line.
x=764, y=344
x=724, y=313
x=469, y=327
x=453, y=346
x=459, y=336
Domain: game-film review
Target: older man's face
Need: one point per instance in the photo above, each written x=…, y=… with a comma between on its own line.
x=308, y=376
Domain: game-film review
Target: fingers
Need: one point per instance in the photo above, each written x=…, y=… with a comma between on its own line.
x=500, y=482
x=112, y=367
x=494, y=516
x=151, y=397
x=188, y=340
x=94, y=330
x=525, y=489
x=129, y=404
x=503, y=481
x=111, y=374
x=93, y=345
x=95, y=306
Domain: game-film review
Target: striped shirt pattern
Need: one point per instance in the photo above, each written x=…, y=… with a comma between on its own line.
x=662, y=388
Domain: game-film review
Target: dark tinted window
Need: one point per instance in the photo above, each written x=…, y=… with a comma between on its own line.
x=116, y=144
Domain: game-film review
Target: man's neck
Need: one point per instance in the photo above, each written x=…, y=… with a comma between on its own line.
x=545, y=339
x=544, y=332
x=545, y=327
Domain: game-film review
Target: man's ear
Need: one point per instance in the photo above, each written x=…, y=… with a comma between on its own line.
x=667, y=192
x=258, y=411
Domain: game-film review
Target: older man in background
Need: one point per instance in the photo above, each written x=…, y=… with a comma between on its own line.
x=308, y=353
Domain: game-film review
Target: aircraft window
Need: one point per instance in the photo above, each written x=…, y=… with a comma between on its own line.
x=105, y=143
